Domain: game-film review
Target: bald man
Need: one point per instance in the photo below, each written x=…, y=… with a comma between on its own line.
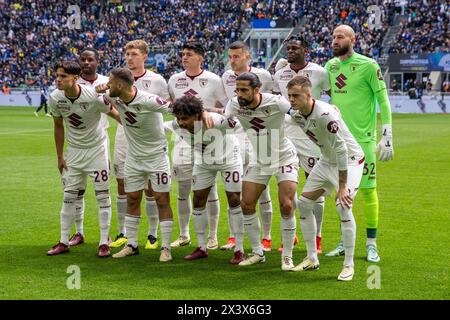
x=356, y=86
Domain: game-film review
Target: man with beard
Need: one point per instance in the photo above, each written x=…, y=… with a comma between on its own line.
x=262, y=117
x=308, y=153
x=356, y=86
x=89, y=62
x=239, y=56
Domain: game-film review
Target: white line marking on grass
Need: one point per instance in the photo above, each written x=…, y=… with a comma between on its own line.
x=24, y=132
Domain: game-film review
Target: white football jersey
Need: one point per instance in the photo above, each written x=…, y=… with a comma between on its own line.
x=142, y=121
x=264, y=127
x=217, y=145
x=208, y=87
x=152, y=82
x=229, y=81
x=320, y=82
x=325, y=127
x=101, y=79
x=81, y=116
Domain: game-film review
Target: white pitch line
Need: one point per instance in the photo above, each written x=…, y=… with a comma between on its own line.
x=24, y=132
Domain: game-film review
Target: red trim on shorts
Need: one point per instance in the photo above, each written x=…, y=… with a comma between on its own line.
x=362, y=160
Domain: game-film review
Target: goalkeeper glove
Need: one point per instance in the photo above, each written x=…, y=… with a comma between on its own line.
x=385, y=146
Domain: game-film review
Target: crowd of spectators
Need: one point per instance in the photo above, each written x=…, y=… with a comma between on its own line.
x=34, y=34
x=424, y=27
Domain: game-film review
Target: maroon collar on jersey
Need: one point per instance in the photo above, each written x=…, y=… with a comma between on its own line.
x=74, y=99
x=193, y=77
x=260, y=101
x=312, y=110
x=136, y=78
x=135, y=94
x=249, y=70
x=90, y=81
x=297, y=70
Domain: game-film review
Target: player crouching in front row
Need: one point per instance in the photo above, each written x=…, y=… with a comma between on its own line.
x=340, y=167
x=215, y=150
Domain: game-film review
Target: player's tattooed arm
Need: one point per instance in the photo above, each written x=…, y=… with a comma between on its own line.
x=59, y=142
x=101, y=88
x=114, y=114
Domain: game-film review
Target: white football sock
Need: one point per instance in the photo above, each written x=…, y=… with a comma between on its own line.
x=371, y=241
x=308, y=226
x=152, y=215
x=184, y=206
x=132, y=227
x=68, y=212
x=104, y=215
x=348, y=228
x=231, y=224
x=79, y=216
x=252, y=228
x=237, y=220
x=265, y=210
x=213, y=210
x=121, y=204
x=166, y=233
x=318, y=208
x=288, y=229
x=200, y=219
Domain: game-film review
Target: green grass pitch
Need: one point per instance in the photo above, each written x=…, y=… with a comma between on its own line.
x=413, y=237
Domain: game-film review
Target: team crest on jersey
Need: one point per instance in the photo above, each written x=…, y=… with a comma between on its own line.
x=231, y=81
x=83, y=107
x=307, y=74
x=353, y=67
x=146, y=84
x=181, y=83
x=203, y=82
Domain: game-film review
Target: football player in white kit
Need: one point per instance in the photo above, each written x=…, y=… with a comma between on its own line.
x=76, y=110
x=215, y=150
x=89, y=61
x=207, y=86
x=308, y=153
x=262, y=117
x=136, y=53
x=340, y=168
x=147, y=157
x=239, y=56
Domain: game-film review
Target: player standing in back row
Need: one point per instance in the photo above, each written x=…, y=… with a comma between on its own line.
x=307, y=152
x=356, y=86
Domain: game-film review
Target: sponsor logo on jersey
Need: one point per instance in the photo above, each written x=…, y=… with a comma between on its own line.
x=286, y=75
x=333, y=127
x=191, y=93
x=379, y=75
x=130, y=117
x=75, y=120
x=257, y=124
x=334, y=67
x=231, y=81
x=63, y=107
x=181, y=83
x=203, y=82
x=340, y=81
